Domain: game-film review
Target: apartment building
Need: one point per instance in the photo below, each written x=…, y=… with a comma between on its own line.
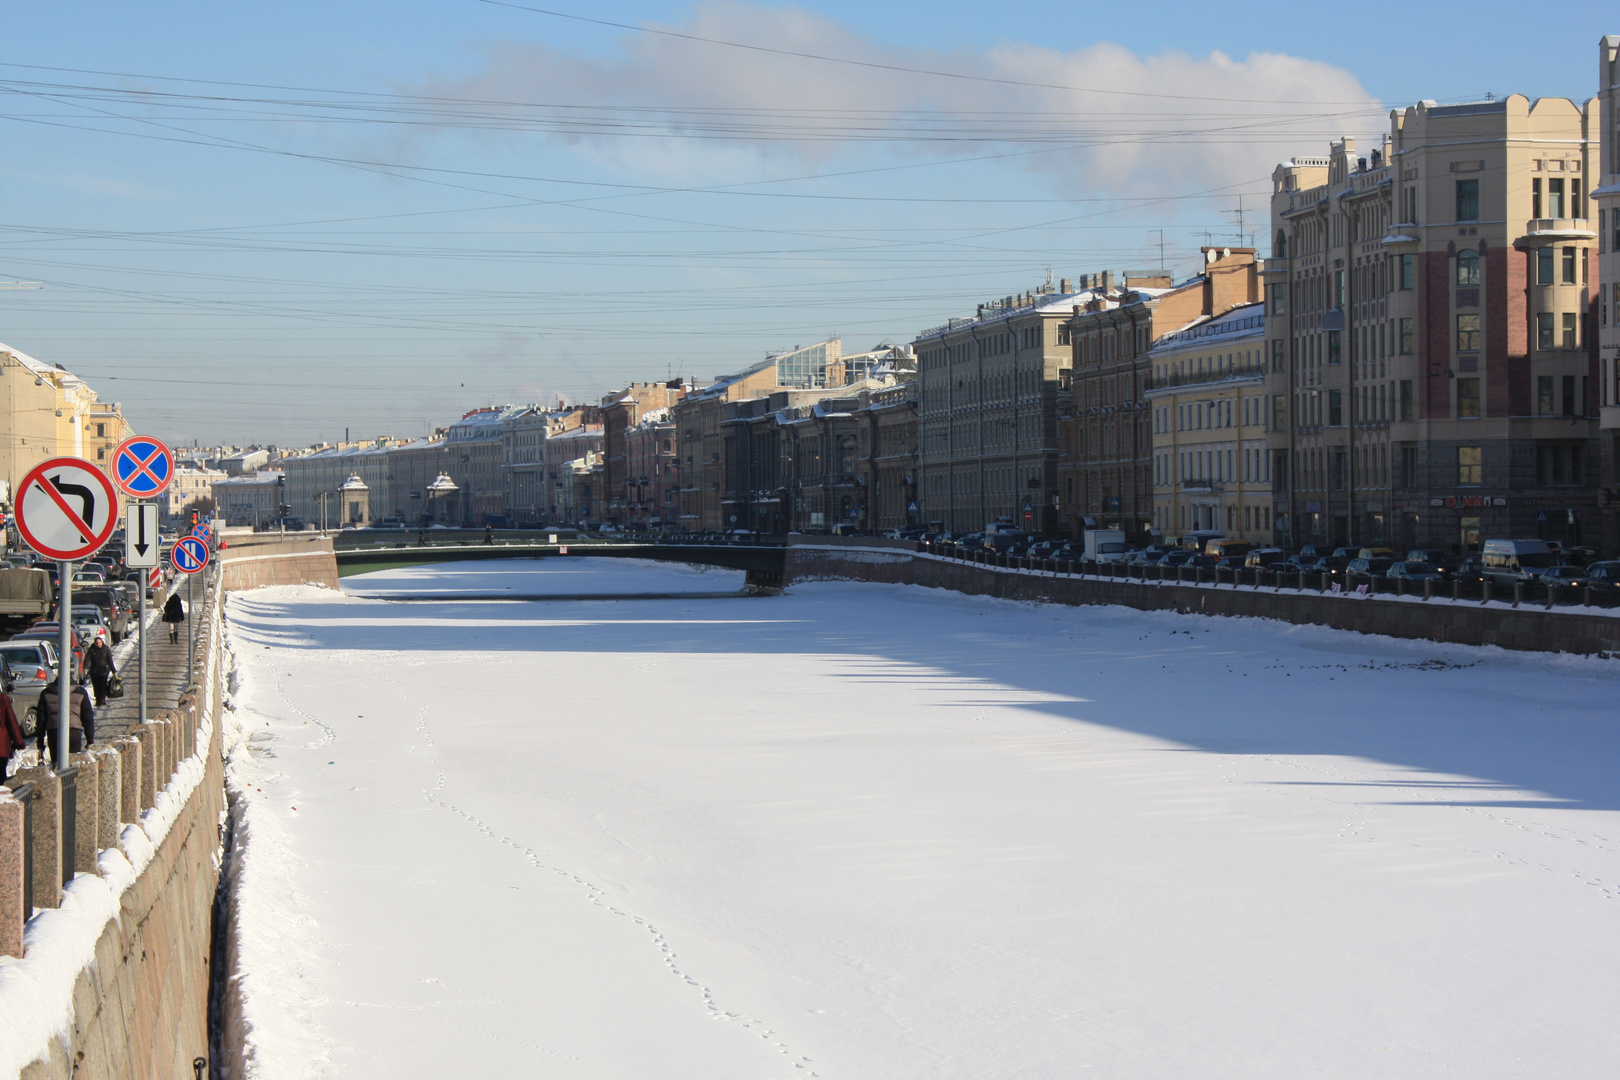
x=250, y=499
x=987, y=411
x=652, y=480
x=621, y=413
x=697, y=418
x=50, y=412
x=1107, y=476
x=1431, y=368
x=1607, y=197
x=573, y=436
x=1206, y=406
x=761, y=487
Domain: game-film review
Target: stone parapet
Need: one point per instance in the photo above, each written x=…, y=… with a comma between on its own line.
x=293, y=561
x=1533, y=630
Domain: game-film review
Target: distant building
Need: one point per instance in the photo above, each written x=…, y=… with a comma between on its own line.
x=987, y=410
x=189, y=486
x=1206, y=404
x=1110, y=480
x=251, y=499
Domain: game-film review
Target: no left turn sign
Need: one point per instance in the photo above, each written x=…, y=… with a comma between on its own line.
x=66, y=508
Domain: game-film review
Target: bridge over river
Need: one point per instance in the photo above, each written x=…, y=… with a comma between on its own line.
x=763, y=561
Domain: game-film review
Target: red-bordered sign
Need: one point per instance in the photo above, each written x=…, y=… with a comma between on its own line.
x=143, y=468
x=189, y=555
x=66, y=508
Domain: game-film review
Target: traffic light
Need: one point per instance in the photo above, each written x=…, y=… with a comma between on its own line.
x=194, y=519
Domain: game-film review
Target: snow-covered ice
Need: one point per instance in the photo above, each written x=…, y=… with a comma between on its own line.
x=876, y=832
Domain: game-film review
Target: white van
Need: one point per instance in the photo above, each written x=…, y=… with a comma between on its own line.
x=1508, y=562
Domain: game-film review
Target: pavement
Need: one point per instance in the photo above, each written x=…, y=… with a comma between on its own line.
x=165, y=670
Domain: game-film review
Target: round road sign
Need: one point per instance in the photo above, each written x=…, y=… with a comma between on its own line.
x=203, y=532
x=66, y=508
x=189, y=555
x=143, y=468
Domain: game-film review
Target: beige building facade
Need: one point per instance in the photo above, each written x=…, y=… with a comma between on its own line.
x=1206, y=397
x=1607, y=197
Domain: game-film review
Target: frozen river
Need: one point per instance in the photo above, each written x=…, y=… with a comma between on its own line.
x=883, y=833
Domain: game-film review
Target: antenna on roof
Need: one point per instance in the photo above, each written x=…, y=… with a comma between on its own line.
x=1048, y=287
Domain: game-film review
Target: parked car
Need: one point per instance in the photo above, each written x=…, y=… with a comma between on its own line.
x=1572, y=577
x=1580, y=556
x=32, y=667
x=1176, y=558
x=1375, y=553
x=1604, y=578
x=49, y=632
x=1414, y=570
x=1360, y=570
x=1266, y=558
x=115, y=609
x=90, y=574
x=1309, y=563
x=1439, y=558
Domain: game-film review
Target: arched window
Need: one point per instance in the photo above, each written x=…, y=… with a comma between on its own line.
x=1468, y=267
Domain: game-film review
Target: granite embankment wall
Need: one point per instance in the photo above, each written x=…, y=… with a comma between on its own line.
x=109, y=978
x=1466, y=623
x=251, y=560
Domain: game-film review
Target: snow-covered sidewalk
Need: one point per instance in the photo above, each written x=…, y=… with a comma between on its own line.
x=866, y=831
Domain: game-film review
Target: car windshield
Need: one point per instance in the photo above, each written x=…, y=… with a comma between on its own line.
x=1538, y=559
x=23, y=657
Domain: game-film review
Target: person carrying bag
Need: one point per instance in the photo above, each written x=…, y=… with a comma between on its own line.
x=81, y=720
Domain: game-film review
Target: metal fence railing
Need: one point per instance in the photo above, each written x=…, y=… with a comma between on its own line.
x=1332, y=582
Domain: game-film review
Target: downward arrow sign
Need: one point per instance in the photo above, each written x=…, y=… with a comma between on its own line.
x=140, y=543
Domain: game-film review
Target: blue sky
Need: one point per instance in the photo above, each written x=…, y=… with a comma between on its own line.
x=272, y=222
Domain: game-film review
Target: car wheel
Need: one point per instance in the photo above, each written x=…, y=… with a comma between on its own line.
x=30, y=721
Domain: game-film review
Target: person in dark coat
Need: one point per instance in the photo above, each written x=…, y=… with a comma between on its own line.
x=99, y=666
x=81, y=720
x=11, y=735
x=174, y=613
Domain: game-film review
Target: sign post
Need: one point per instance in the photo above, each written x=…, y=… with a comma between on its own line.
x=189, y=556
x=143, y=468
x=66, y=510
x=141, y=552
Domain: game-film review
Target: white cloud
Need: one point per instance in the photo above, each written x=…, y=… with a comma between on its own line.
x=674, y=107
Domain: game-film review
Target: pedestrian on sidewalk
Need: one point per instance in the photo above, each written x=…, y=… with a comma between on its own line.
x=174, y=613
x=81, y=720
x=12, y=738
x=99, y=663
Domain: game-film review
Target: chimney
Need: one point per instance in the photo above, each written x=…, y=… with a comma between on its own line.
x=1064, y=286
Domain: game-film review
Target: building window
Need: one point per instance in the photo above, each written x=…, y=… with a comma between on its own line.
x=1468, y=399
x=1406, y=400
x=101, y=452
x=1535, y=197
x=1468, y=267
x=1279, y=412
x=1406, y=272
x=1569, y=395
x=1468, y=200
x=1279, y=355
x=1569, y=266
x=1409, y=466
x=1544, y=329
x=1334, y=353
x=1544, y=266
x=1338, y=289
x=1406, y=337
x=1570, y=331
x=1544, y=396
x=1468, y=333
x=1277, y=299
x=1555, y=198
x=1470, y=465
x=1335, y=408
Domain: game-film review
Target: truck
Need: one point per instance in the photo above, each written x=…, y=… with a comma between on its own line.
x=1105, y=545
x=26, y=597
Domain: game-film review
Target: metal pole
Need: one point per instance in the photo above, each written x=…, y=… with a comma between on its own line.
x=64, y=650
x=144, y=579
x=191, y=639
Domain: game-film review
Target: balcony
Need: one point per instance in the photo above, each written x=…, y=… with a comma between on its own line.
x=1558, y=229
x=1241, y=371
x=1202, y=487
